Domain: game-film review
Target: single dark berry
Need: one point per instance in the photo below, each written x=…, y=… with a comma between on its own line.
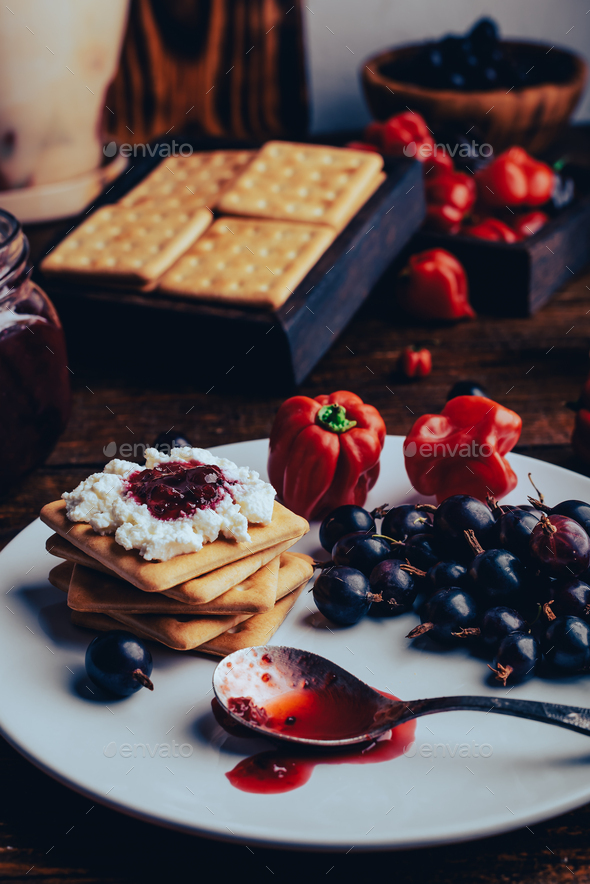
x=571, y=598
x=449, y=616
x=560, y=546
x=119, y=662
x=395, y=584
x=497, y=577
x=346, y=519
x=458, y=514
x=467, y=388
x=517, y=658
x=514, y=531
x=447, y=574
x=484, y=35
x=343, y=595
x=577, y=510
x=406, y=520
x=567, y=645
x=499, y=622
x=362, y=551
x=421, y=550
x=169, y=440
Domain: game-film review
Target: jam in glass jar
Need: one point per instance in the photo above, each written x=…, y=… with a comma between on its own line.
x=34, y=383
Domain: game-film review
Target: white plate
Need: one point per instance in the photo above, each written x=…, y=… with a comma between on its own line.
x=531, y=771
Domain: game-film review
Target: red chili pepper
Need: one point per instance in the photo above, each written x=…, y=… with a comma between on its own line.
x=449, y=196
x=461, y=450
x=325, y=452
x=532, y=222
x=515, y=178
x=494, y=229
x=407, y=130
x=414, y=363
x=435, y=287
x=440, y=161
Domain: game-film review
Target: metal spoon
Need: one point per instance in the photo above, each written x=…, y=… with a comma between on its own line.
x=259, y=678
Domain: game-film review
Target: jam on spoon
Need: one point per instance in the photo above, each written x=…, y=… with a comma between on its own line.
x=302, y=698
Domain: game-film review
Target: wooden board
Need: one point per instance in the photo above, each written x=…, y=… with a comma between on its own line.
x=291, y=339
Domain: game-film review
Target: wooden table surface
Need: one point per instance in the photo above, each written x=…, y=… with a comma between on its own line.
x=531, y=365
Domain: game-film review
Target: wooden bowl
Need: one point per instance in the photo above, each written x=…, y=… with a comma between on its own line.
x=532, y=116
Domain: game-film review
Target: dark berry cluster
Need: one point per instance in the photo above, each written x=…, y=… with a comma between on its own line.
x=511, y=582
x=477, y=60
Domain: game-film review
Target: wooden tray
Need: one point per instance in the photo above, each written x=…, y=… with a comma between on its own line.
x=241, y=341
x=516, y=279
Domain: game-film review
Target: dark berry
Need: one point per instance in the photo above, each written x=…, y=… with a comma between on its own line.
x=576, y=510
x=572, y=598
x=567, y=645
x=421, y=551
x=404, y=521
x=458, y=514
x=560, y=546
x=518, y=656
x=343, y=595
x=119, y=662
x=497, y=577
x=514, y=531
x=498, y=623
x=346, y=519
x=484, y=35
x=449, y=616
x=169, y=440
x=395, y=585
x=362, y=551
x=447, y=574
x=467, y=388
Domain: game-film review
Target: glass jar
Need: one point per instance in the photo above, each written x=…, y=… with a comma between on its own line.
x=34, y=382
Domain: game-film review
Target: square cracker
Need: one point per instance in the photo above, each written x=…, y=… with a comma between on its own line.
x=196, y=180
x=200, y=590
x=255, y=631
x=91, y=591
x=174, y=633
x=160, y=576
x=301, y=182
x=61, y=575
x=63, y=549
x=130, y=246
x=248, y=262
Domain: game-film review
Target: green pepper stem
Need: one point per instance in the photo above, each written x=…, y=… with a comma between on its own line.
x=333, y=418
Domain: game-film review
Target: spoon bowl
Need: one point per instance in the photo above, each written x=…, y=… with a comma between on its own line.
x=300, y=697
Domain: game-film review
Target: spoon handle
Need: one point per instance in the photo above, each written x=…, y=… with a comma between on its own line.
x=573, y=718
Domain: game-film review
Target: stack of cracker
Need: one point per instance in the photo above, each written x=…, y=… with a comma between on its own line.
x=280, y=207
x=223, y=598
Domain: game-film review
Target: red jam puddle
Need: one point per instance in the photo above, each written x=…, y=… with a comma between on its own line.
x=305, y=714
x=175, y=489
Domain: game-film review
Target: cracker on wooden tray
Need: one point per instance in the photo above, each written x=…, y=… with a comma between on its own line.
x=159, y=576
x=248, y=262
x=301, y=182
x=129, y=246
x=196, y=180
